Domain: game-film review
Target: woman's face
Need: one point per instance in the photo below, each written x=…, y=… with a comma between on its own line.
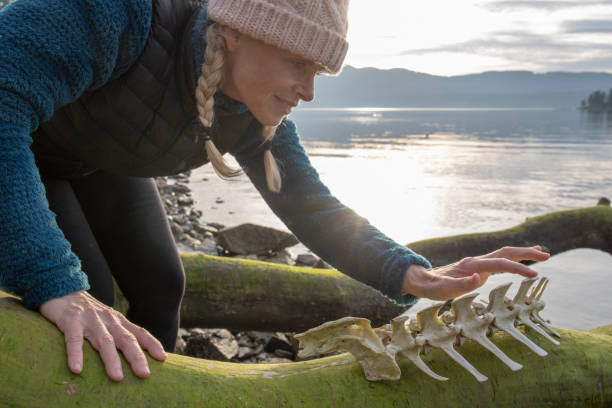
x=268, y=80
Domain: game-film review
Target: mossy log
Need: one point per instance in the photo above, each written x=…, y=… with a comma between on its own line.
x=558, y=231
x=239, y=294
x=243, y=294
x=33, y=373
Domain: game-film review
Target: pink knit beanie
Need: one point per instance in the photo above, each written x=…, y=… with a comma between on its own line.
x=313, y=29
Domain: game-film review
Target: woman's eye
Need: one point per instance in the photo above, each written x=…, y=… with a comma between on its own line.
x=299, y=64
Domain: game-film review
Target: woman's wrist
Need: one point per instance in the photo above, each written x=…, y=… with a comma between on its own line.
x=412, y=277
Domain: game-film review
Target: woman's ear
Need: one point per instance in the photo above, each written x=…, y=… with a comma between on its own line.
x=232, y=38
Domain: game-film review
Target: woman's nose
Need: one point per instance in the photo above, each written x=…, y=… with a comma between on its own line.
x=306, y=88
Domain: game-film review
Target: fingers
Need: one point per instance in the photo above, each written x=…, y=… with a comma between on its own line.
x=146, y=340
x=79, y=316
x=518, y=254
x=497, y=265
x=449, y=281
x=100, y=339
x=116, y=336
x=73, y=336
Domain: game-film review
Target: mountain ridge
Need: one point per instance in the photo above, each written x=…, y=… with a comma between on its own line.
x=399, y=87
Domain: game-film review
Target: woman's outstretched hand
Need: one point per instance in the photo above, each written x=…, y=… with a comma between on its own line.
x=447, y=282
x=80, y=316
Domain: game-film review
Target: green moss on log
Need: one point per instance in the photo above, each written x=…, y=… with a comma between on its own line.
x=244, y=294
x=33, y=373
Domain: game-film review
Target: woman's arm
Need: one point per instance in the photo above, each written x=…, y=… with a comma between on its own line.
x=51, y=52
x=333, y=231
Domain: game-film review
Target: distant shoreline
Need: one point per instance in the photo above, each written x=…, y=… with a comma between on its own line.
x=425, y=109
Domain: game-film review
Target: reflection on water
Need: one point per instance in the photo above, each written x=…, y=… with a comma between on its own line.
x=341, y=126
x=458, y=170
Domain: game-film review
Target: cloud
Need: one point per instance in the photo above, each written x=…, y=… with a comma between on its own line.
x=549, y=5
x=587, y=26
x=534, y=51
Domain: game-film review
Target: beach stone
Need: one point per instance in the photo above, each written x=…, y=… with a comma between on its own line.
x=204, y=229
x=279, y=341
x=179, y=348
x=321, y=264
x=208, y=246
x=184, y=200
x=244, y=340
x=306, y=259
x=247, y=352
x=213, y=344
x=260, y=337
x=182, y=176
x=180, y=219
x=180, y=188
x=177, y=231
x=254, y=239
x=282, y=257
x=216, y=225
x=284, y=354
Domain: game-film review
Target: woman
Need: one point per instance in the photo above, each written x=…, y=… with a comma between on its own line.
x=111, y=92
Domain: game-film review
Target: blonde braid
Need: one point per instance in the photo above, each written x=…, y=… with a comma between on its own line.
x=212, y=75
x=273, y=176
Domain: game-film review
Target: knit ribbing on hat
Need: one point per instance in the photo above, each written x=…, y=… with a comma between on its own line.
x=313, y=29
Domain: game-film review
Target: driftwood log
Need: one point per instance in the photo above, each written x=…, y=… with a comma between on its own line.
x=33, y=373
x=243, y=294
x=558, y=231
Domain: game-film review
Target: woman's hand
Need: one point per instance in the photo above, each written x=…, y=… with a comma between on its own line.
x=450, y=281
x=80, y=316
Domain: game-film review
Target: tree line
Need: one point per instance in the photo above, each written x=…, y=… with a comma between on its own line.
x=598, y=101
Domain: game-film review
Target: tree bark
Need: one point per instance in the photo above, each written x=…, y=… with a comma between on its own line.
x=33, y=373
x=241, y=294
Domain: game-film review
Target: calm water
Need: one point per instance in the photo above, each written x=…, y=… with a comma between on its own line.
x=423, y=173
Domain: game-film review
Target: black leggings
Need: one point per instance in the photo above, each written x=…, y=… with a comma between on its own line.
x=117, y=227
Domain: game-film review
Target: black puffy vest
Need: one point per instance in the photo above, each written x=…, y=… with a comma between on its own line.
x=145, y=122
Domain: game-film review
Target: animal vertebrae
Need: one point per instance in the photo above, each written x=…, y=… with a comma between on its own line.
x=379, y=350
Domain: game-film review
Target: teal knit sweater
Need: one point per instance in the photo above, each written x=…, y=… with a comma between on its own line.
x=53, y=51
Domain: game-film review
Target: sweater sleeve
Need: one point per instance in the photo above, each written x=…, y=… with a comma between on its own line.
x=51, y=52
x=321, y=222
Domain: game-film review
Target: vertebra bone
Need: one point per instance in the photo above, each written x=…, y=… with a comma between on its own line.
x=475, y=328
x=378, y=350
x=505, y=316
x=524, y=308
x=403, y=345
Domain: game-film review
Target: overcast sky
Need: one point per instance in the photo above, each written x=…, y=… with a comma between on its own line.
x=453, y=37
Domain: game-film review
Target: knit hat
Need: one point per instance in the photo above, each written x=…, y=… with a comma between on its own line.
x=313, y=29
